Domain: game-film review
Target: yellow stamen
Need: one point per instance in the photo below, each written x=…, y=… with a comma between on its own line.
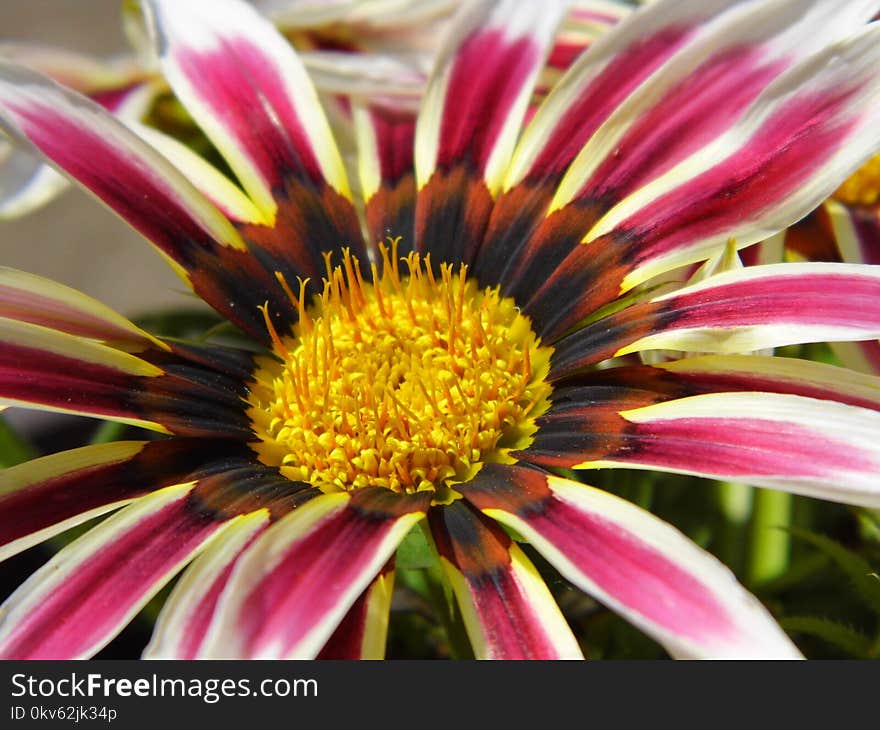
x=863, y=186
x=407, y=382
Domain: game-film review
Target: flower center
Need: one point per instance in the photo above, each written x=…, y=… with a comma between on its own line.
x=409, y=382
x=863, y=186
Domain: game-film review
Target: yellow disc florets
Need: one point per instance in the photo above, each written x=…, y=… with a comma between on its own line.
x=863, y=186
x=408, y=382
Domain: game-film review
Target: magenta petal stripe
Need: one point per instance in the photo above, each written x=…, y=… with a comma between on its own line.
x=52, y=370
x=732, y=373
x=29, y=298
x=508, y=611
x=363, y=633
x=186, y=616
x=634, y=563
x=119, y=85
x=803, y=445
x=584, y=24
x=248, y=90
x=108, y=159
x=208, y=180
x=110, y=572
x=85, y=594
x=142, y=186
x=580, y=103
x=42, y=497
x=615, y=65
x=57, y=371
x=820, y=448
x=809, y=128
x=776, y=375
x=279, y=603
x=385, y=140
x=485, y=72
x=737, y=311
x=703, y=91
x=471, y=113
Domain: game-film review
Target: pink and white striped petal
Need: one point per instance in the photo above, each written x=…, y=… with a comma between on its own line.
x=52, y=370
x=819, y=448
x=700, y=66
x=295, y=584
x=92, y=588
x=855, y=231
x=247, y=89
x=637, y=565
x=36, y=497
x=43, y=497
x=615, y=65
x=702, y=91
x=363, y=633
x=585, y=22
x=127, y=174
x=732, y=373
x=471, y=114
x=207, y=179
x=29, y=298
x=714, y=373
x=385, y=162
x=770, y=306
x=754, y=308
x=592, y=19
x=108, y=81
x=146, y=190
x=808, y=130
x=189, y=395
x=316, y=13
x=507, y=608
x=481, y=87
x=187, y=613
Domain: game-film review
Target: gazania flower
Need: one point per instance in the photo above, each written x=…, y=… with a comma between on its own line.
x=441, y=368
x=363, y=49
x=846, y=227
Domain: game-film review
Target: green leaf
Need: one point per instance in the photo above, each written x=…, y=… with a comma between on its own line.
x=858, y=570
x=621, y=303
x=850, y=640
x=415, y=553
x=179, y=323
x=800, y=570
x=14, y=449
x=869, y=523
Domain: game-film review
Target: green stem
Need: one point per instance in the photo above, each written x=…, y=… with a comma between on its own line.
x=769, y=546
x=439, y=594
x=735, y=505
x=14, y=449
x=108, y=431
x=736, y=501
x=450, y=617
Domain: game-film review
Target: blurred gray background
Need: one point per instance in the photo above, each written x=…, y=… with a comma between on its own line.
x=75, y=240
